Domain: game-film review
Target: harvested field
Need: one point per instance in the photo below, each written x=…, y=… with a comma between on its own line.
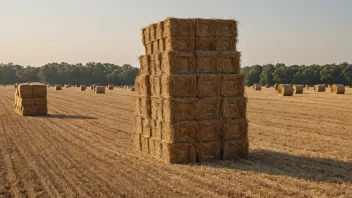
x=84, y=149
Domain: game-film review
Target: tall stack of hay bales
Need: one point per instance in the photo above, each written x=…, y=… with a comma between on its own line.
x=337, y=89
x=298, y=89
x=30, y=99
x=190, y=103
x=319, y=88
x=285, y=90
x=257, y=87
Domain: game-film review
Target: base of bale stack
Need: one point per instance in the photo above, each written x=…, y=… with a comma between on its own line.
x=99, y=90
x=257, y=87
x=319, y=88
x=285, y=90
x=338, y=89
x=298, y=89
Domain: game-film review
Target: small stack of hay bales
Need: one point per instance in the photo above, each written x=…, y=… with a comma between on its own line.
x=298, y=89
x=190, y=104
x=276, y=86
x=58, y=87
x=319, y=88
x=285, y=90
x=30, y=99
x=83, y=87
x=257, y=87
x=338, y=89
x=267, y=86
x=110, y=87
x=99, y=89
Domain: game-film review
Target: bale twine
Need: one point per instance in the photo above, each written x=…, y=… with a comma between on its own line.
x=267, y=86
x=285, y=90
x=257, y=87
x=58, y=87
x=338, y=89
x=319, y=88
x=276, y=86
x=298, y=89
x=99, y=90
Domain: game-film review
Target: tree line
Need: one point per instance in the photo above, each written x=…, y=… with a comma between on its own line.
x=64, y=73
x=295, y=74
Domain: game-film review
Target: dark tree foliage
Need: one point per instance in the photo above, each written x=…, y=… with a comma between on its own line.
x=64, y=73
x=295, y=74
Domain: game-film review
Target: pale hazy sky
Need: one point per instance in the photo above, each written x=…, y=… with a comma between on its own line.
x=289, y=31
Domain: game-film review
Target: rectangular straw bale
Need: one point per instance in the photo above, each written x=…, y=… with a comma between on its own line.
x=142, y=85
x=145, y=107
x=148, y=48
x=178, y=153
x=100, y=90
x=39, y=91
x=209, y=151
x=138, y=126
x=206, y=62
x=83, y=87
x=179, y=85
x=205, y=27
x=234, y=107
x=155, y=45
x=145, y=144
x=152, y=32
x=179, y=27
x=146, y=127
x=155, y=67
x=205, y=44
x=209, y=108
x=228, y=62
x=235, y=129
x=58, y=87
x=111, y=87
x=209, y=130
x=225, y=44
x=25, y=102
x=42, y=110
x=28, y=111
x=178, y=62
x=40, y=102
x=155, y=85
x=155, y=147
x=137, y=142
x=156, y=108
x=180, y=109
x=232, y=85
x=25, y=91
x=156, y=126
x=179, y=132
x=226, y=28
x=136, y=105
x=180, y=44
x=144, y=61
x=209, y=85
x=146, y=35
x=235, y=149
x=162, y=46
x=160, y=30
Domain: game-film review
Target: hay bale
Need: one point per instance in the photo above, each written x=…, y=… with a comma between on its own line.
x=235, y=149
x=257, y=87
x=111, y=87
x=298, y=89
x=209, y=85
x=25, y=91
x=208, y=108
x=235, y=129
x=100, y=90
x=319, y=88
x=233, y=107
x=58, y=87
x=285, y=90
x=179, y=62
x=132, y=89
x=276, y=86
x=209, y=151
x=83, y=87
x=209, y=130
x=179, y=132
x=181, y=109
x=183, y=85
x=338, y=89
x=178, y=153
x=267, y=86
x=232, y=85
x=39, y=90
x=40, y=102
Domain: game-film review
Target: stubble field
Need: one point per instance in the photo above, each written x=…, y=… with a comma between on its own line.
x=300, y=146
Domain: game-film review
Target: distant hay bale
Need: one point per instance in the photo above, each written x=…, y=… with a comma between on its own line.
x=307, y=87
x=257, y=87
x=132, y=89
x=100, y=90
x=110, y=87
x=276, y=86
x=267, y=86
x=298, y=89
x=16, y=84
x=285, y=90
x=125, y=87
x=58, y=87
x=338, y=89
x=68, y=86
x=83, y=87
x=319, y=88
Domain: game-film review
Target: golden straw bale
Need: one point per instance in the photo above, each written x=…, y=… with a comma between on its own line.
x=319, y=88
x=257, y=87
x=285, y=90
x=338, y=89
x=58, y=87
x=100, y=90
x=298, y=89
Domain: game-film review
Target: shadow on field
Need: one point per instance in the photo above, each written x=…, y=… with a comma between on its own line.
x=63, y=116
x=274, y=163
